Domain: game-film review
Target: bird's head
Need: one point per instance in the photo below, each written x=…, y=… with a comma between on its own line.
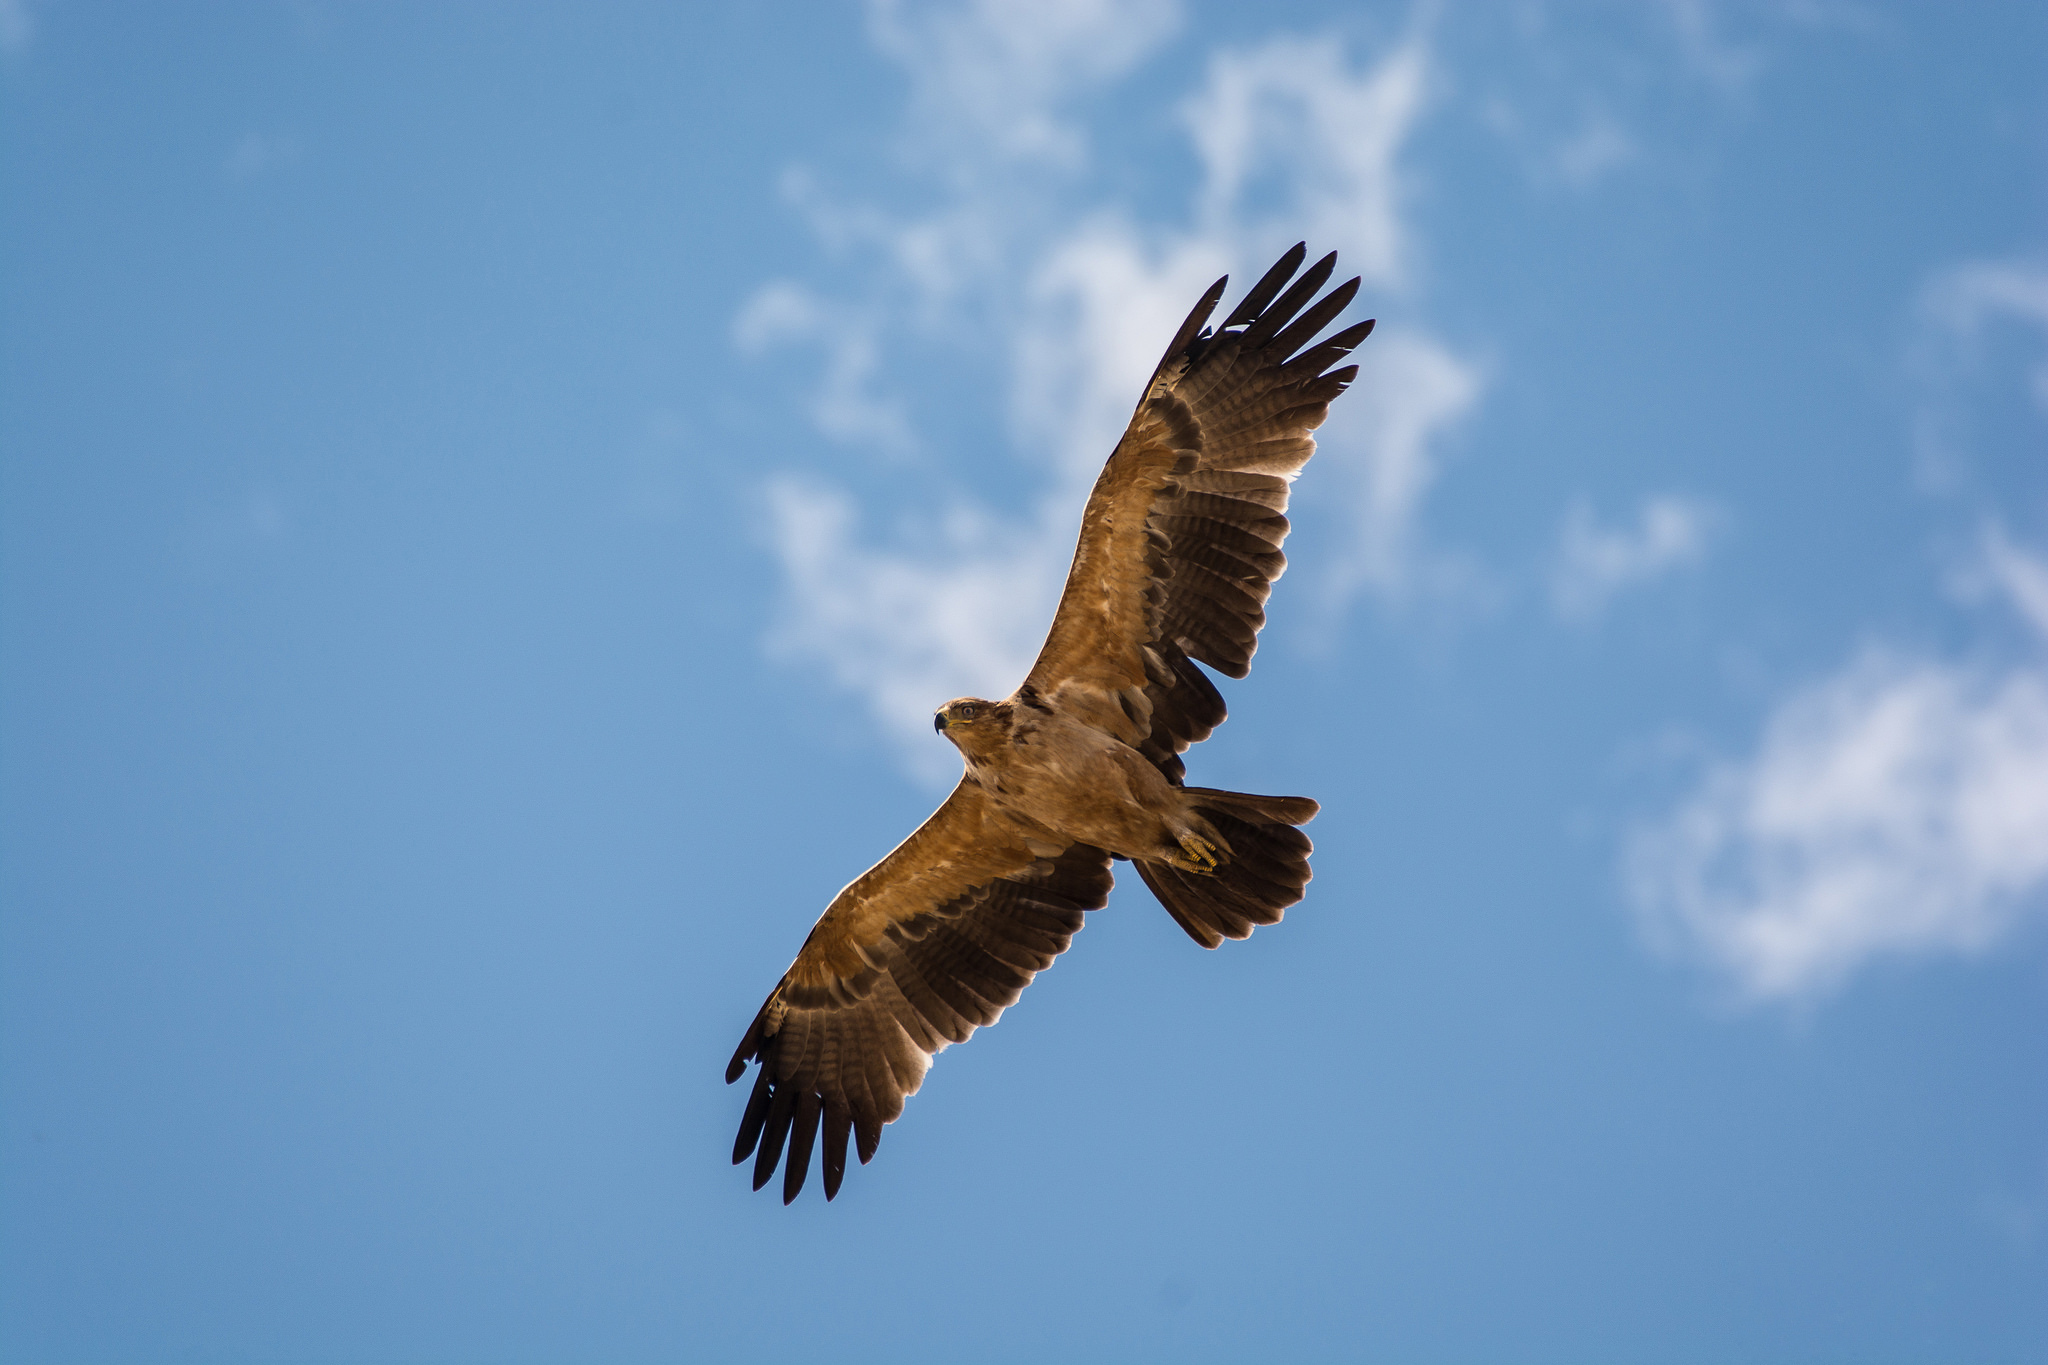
x=975, y=726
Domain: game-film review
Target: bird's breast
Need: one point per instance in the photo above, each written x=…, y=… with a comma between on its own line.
x=1080, y=782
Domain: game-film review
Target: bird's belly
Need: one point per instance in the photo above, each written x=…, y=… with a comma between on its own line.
x=1094, y=792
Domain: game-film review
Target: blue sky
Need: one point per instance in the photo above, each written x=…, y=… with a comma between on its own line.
x=489, y=499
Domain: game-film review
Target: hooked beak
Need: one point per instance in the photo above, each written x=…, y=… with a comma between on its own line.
x=939, y=723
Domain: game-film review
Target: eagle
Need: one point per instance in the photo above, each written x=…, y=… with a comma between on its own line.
x=1081, y=765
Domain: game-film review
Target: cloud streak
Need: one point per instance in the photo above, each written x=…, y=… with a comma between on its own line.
x=1595, y=562
x=1965, y=313
x=1896, y=809
x=846, y=405
x=989, y=79
x=1291, y=138
x=1386, y=446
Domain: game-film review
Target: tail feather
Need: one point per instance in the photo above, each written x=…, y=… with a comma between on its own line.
x=1264, y=874
x=1283, y=810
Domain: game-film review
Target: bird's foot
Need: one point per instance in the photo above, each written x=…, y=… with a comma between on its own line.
x=1197, y=855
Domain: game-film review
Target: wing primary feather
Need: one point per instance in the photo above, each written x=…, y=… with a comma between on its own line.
x=1282, y=312
x=838, y=1124
x=1317, y=358
x=1269, y=284
x=884, y=1094
x=809, y=1107
x=779, y=1112
x=1194, y=322
x=1319, y=314
x=861, y=1067
x=756, y=1114
x=851, y=1091
x=749, y=1046
x=1212, y=649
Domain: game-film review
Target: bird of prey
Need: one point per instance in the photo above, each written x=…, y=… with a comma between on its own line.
x=1180, y=544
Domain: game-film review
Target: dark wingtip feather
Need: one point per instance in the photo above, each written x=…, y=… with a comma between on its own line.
x=750, y=1122
x=838, y=1124
x=1284, y=308
x=1195, y=319
x=1310, y=364
x=1304, y=329
x=772, y=1137
x=749, y=1048
x=1269, y=284
x=809, y=1107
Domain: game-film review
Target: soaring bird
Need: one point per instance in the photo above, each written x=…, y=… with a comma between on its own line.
x=1081, y=765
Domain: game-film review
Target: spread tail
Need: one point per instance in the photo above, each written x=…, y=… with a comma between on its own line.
x=1264, y=874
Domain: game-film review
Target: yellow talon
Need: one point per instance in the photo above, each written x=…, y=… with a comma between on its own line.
x=1200, y=855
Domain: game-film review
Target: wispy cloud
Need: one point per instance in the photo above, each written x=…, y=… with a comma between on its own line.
x=990, y=79
x=1636, y=90
x=1294, y=114
x=1577, y=154
x=961, y=617
x=1594, y=562
x=2021, y=577
x=1898, y=808
x=1386, y=448
x=1965, y=302
x=1965, y=296
x=845, y=405
x=1292, y=139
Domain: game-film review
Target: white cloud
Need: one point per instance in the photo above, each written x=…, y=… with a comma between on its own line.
x=961, y=616
x=1384, y=443
x=1102, y=306
x=1962, y=301
x=1292, y=140
x=989, y=78
x=1577, y=149
x=1964, y=296
x=1966, y=315
x=845, y=405
x=2022, y=577
x=1291, y=112
x=1594, y=562
x=1579, y=92
x=1898, y=808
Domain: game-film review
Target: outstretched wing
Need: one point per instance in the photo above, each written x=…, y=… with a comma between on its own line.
x=1180, y=541
x=934, y=941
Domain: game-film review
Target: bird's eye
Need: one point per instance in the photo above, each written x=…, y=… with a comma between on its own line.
x=969, y=712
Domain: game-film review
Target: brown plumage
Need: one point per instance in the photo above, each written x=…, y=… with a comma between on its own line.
x=1180, y=544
